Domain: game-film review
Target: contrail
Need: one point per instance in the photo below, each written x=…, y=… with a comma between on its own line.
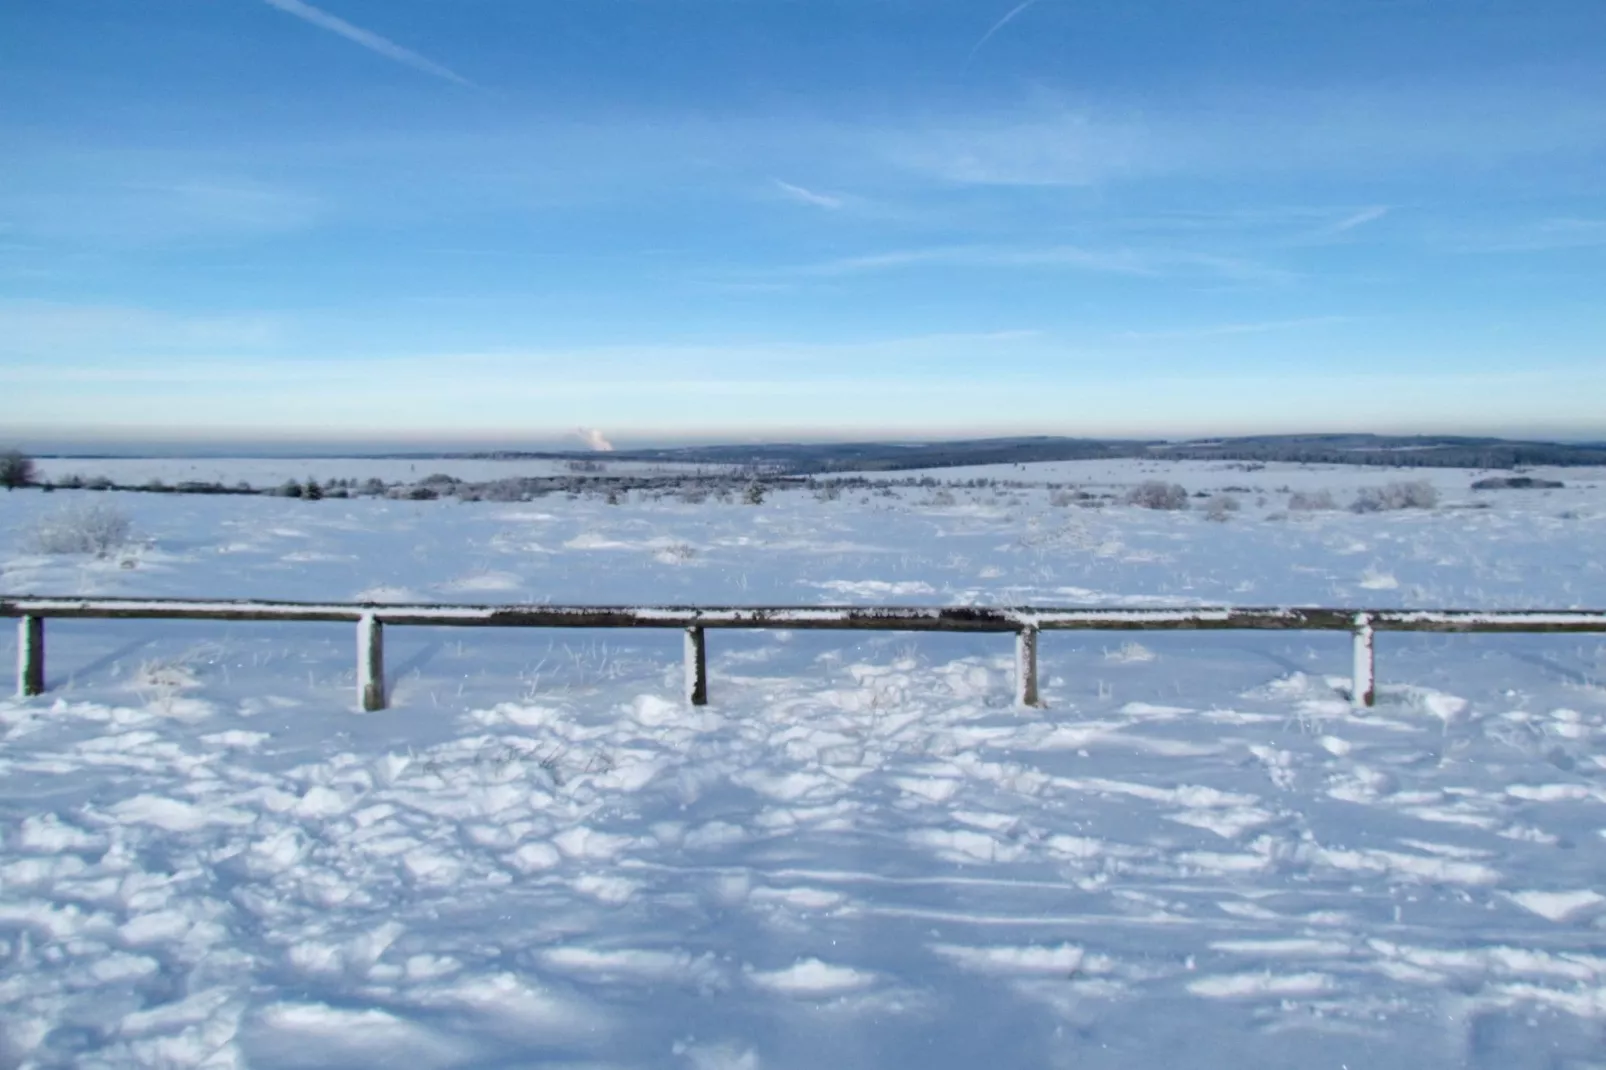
x=369, y=40
x=999, y=25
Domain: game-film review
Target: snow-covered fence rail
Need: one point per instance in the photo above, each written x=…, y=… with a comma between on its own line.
x=1025, y=622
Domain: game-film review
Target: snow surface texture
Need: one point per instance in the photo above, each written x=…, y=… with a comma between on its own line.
x=860, y=854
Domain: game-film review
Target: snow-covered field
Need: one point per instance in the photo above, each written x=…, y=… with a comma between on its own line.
x=860, y=854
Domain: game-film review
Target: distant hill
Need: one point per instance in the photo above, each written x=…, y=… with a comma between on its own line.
x=1415, y=451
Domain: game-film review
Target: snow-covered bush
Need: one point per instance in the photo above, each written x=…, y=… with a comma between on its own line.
x=502, y=490
x=80, y=529
x=1158, y=494
x=1061, y=497
x=754, y=494
x=1419, y=494
x=1221, y=507
x=1302, y=502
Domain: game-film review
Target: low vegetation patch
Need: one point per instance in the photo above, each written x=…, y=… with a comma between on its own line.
x=1311, y=502
x=80, y=529
x=1517, y=483
x=1158, y=494
x=1418, y=494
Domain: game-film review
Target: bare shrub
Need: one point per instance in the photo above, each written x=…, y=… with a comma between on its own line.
x=80, y=529
x=1221, y=508
x=1062, y=497
x=1419, y=494
x=1303, y=502
x=503, y=490
x=677, y=552
x=1158, y=494
x=16, y=469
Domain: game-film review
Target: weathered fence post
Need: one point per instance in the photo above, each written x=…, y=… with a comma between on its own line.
x=696, y=667
x=1026, y=667
x=1363, y=692
x=30, y=656
x=371, y=662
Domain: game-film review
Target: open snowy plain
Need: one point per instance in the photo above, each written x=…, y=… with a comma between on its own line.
x=861, y=854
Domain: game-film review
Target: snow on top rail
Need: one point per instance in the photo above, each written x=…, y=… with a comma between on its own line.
x=1025, y=621
x=885, y=618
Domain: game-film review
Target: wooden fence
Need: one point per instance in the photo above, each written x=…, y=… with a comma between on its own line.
x=1024, y=622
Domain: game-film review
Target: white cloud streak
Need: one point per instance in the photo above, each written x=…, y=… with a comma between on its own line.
x=367, y=39
x=1339, y=227
x=1361, y=218
x=1223, y=330
x=1143, y=263
x=808, y=196
x=1547, y=235
x=999, y=25
x=1088, y=141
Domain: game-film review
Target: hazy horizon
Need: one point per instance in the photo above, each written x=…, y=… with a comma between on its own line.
x=205, y=447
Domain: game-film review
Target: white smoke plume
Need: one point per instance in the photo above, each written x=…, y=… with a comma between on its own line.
x=593, y=438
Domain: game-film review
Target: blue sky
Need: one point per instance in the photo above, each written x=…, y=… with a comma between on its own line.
x=501, y=220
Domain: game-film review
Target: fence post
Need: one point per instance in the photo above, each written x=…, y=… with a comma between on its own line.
x=696, y=667
x=30, y=656
x=370, y=662
x=1363, y=692
x=1026, y=667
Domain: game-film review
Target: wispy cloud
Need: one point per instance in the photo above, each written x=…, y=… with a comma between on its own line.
x=1084, y=140
x=367, y=38
x=119, y=199
x=1151, y=263
x=37, y=329
x=1361, y=218
x=1544, y=236
x=808, y=196
x=1340, y=227
x=995, y=27
x=1222, y=330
